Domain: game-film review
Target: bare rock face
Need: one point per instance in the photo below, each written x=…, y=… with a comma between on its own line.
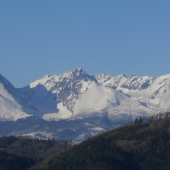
x=81, y=105
x=69, y=88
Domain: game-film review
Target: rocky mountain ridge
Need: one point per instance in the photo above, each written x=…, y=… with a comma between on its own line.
x=78, y=96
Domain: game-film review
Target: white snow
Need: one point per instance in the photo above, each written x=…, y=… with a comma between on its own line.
x=63, y=113
x=132, y=96
x=79, y=99
x=10, y=108
x=98, y=99
x=97, y=129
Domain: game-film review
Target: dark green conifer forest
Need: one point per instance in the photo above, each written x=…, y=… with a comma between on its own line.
x=20, y=153
x=141, y=145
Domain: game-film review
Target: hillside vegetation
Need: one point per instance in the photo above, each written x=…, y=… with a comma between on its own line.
x=143, y=145
x=21, y=153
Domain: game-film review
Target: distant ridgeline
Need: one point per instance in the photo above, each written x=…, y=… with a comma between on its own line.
x=141, y=145
x=76, y=105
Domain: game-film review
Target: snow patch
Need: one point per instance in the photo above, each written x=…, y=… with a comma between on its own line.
x=63, y=113
x=98, y=99
x=97, y=129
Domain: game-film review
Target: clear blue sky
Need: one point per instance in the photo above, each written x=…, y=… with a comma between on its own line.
x=40, y=37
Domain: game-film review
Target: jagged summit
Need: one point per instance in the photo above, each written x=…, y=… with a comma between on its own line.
x=6, y=84
x=74, y=90
x=12, y=102
x=67, y=86
x=94, y=102
x=78, y=69
x=123, y=75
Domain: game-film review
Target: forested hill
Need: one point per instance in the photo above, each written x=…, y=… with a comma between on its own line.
x=21, y=153
x=137, y=146
x=143, y=145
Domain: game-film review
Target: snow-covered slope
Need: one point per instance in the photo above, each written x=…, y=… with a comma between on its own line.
x=76, y=95
x=99, y=99
x=80, y=105
x=13, y=105
x=55, y=96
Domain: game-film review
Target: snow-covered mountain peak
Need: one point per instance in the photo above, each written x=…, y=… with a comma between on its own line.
x=78, y=69
x=40, y=81
x=163, y=78
x=77, y=92
x=67, y=86
x=6, y=83
x=79, y=74
x=137, y=83
x=7, y=87
x=83, y=102
x=110, y=80
x=50, y=81
x=47, y=76
x=122, y=75
x=12, y=102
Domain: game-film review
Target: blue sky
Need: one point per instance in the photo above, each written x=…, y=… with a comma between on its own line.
x=40, y=37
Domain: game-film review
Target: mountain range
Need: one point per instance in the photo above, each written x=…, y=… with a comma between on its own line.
x=76, y=105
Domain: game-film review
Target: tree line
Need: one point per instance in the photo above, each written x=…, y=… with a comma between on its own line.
x=152, y=118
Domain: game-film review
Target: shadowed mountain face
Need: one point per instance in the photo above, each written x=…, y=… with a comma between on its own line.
x=77, y=97
x=77, y=130
x=13, y=104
